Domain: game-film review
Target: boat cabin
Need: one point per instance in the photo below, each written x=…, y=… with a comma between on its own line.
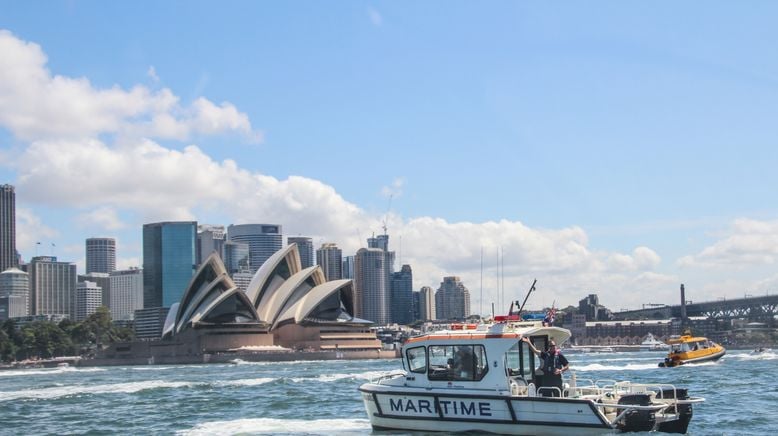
x=493, y=356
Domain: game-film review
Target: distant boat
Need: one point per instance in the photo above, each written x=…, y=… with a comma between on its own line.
x=688, y=349
x=652, y=344
x=63, y=365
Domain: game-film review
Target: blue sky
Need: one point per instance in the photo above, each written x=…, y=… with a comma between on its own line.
x=608, y=147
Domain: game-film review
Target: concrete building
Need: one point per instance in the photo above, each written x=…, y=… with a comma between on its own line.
x=87, y=299
x=149, y=322
x=14, y=293
x=210, y=239
x=452, y=301
x=169, y=260
x=103, y=280
x=370, y=284
x=402, y=296
x=263, y=239
x=100, y=255
x=52, y=286
x=330, y=258
x=305, y=246
x=8, y=257
x=427, y=304
x=126, y=293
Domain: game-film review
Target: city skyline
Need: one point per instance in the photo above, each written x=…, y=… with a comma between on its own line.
x=607, y=152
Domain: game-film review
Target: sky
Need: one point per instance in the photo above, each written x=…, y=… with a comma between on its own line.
x=609, y=147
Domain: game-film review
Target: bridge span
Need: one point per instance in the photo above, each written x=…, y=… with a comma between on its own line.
x=761, y=309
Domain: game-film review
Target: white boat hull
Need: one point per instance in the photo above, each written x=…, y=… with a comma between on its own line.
x=451, y=412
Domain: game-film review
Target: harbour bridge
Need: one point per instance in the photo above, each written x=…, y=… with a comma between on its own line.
x=755, y=309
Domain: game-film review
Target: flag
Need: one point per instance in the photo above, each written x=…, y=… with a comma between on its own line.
x=549, y=319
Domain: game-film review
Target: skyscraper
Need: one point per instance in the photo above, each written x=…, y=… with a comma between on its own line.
x=126, y=293
x=263, y=240
x=52, y=286
x=305, y=248
x=102, y=280
x=14, y=293
x=209, y=239
x=7, y=227
x=452, y=301
x=100, y=255
x=330, y=258
x=402, y=296
x=87, y=299
x=348, y=267
x=427, y=304
x=236, y=257
x=370, y=286
x=168, y=261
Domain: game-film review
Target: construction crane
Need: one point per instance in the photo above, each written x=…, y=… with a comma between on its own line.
x=388, y=209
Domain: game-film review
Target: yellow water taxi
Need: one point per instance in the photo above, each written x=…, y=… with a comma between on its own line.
x=690, y=349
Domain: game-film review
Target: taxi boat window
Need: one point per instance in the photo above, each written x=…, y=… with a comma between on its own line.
x=417, y=359
x=519, y=361
x=457, y=362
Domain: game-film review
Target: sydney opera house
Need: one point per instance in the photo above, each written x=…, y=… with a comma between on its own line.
x=285, y=309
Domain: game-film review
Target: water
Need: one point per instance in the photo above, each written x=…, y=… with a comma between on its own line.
x=322, y=398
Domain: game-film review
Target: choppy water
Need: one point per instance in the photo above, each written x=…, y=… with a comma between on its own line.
x=322, y=398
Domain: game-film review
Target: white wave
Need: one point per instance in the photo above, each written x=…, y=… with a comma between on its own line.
x=765, y=355
x=328, y=378
x=247, y=382
x=279, y=426
x=628, y=367
x=65, y=391
x=47, y=371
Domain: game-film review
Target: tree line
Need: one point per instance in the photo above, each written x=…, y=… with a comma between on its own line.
x=46, y=339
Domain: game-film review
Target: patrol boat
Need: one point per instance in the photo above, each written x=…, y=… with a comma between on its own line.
x=483, y=378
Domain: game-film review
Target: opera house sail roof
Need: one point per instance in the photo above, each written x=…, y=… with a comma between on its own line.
x=281, y=292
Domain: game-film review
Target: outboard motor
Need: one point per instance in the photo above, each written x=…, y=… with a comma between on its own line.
x=684, y=412
x=637, y=420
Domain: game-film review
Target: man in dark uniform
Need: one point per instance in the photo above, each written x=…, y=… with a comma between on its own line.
x=553, y=364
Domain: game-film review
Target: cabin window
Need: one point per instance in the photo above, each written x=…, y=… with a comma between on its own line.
x=457, y=362
x=518, y=361
x=417, y=359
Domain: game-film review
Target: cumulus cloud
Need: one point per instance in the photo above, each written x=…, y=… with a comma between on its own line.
x=30, y=230
x=395, y=189
x=36, y=105
x=748, y=242
x=61, y=120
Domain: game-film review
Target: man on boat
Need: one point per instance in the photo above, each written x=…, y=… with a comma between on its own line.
x=553, y=365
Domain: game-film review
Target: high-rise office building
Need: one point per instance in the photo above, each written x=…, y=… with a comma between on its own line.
x=330, y=258
x=427, y=304
x=7, y=227
x=348, y=267
x=452, y=301
x=14, y=293
x=210, y=239
x=263, y=241
x=126, y=293
x=370, y=286
x=305, y=248
x=149, y=321
x=236, y=257
x=52, y=286
x=168, y=261
x=88, y=297
x=100, y=255
x=402, y=296
x=103, y=280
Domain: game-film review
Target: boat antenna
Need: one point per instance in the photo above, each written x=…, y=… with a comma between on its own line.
x=532, y=288
x=481, y=308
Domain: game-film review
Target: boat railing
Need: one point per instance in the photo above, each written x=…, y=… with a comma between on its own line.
x=389, y=376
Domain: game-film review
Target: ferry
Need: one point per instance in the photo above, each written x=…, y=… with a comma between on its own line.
x=689, y=349
x=483, y=378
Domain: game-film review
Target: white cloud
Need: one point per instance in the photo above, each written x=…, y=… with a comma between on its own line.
x=152, y=73
x=375, y=17
x=102, y=218
x=394, y=190
x=36, y=105
x=747, y=243
x=30, y=230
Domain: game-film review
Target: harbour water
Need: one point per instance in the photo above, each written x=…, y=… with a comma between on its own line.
x=321, y=397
